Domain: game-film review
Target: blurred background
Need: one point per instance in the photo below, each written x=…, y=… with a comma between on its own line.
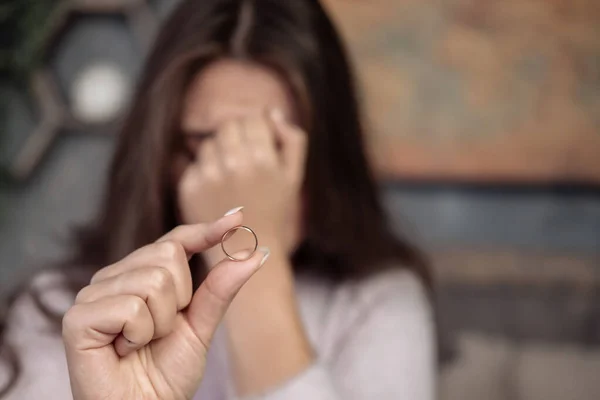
x=484, y=124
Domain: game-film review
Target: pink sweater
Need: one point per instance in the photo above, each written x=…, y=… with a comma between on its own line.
x=374, y=340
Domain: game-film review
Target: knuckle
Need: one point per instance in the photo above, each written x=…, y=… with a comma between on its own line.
x=183, y=290
x=137, y=306
x=160, y=279
x=181, y=230
x=98, y=276
x=261, y=158
x=71, y=321
x=298, y=136
x=230, y=126
x=211, y=173
x=170, y=250
x=188, y=184
x=83, y=296
x=232, y=164
x=249, y=169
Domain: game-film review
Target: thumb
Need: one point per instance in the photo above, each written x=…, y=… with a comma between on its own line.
x=210, y=302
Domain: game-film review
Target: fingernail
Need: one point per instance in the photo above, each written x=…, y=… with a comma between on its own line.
x=277, y=115
x=233, y=211
x=266, y=252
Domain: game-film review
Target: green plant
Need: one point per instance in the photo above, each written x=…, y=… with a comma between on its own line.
x=23, y=27
x=23, y=24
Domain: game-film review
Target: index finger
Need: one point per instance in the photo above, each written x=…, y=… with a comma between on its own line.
x=200, y=237
x=185, y=240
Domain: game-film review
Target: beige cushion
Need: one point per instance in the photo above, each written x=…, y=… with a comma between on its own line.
x=479, y=370
x=495, y=369
x=548, y=372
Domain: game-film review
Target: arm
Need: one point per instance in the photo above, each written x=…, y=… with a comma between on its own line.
x=264, y=329
x=242, y=165
x=389, y=353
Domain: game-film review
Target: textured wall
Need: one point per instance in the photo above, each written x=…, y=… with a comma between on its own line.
x=480, y=89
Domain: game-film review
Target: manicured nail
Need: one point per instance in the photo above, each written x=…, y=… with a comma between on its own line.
x=277, y=115
x=233, y=211
x=266, y=252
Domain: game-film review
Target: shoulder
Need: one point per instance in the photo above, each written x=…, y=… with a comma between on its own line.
x=34, y=335
x=396, y=287
x=332, y=313
x=44, y=298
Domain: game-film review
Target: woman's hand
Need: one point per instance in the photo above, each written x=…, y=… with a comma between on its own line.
x=138, y=332
x=242, y=166
x=257, y=162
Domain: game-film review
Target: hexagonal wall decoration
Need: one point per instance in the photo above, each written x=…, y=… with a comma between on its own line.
x=163, y=7
x=91, y=59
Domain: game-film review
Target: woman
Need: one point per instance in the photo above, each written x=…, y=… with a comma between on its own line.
x=242, y=103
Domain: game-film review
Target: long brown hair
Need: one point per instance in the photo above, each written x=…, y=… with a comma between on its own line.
x=346, y=232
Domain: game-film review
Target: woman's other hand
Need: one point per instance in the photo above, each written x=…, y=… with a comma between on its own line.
x=257, y=162
x=137, y=331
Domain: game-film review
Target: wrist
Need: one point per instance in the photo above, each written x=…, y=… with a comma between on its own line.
x=270, y=290
x=276, y=242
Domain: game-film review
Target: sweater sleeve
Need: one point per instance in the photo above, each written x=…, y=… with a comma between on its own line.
x=39, y=348
x=388, y=352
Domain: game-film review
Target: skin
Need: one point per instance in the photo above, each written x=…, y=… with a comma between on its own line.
x=137, y=331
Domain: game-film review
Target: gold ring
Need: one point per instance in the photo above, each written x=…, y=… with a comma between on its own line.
x=226, y=236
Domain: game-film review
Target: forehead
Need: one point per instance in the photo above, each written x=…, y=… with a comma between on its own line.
x=229, y=89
